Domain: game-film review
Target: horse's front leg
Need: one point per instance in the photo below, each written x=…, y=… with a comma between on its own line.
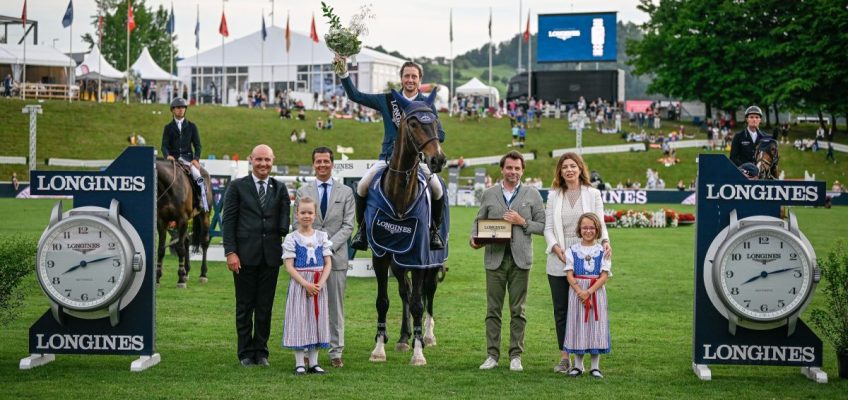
x=182, y=252
x=160, y=253
x=381, y=270
x=403, y=291
x=430, y=284
x=416, y=307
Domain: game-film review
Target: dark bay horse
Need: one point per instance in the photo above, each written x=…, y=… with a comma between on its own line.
x=767, y=157
x=417, y=141
x=175, y=203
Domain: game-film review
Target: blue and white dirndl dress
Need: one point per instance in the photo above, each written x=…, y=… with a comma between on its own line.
x=587, y=325
x=306, y=324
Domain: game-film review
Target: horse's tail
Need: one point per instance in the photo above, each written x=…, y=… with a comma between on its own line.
x=197, y=232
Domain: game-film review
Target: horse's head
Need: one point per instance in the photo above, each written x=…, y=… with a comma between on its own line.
x=420, y=126
x=767, y=157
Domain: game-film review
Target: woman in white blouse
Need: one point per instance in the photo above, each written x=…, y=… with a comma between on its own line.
x=570, y=196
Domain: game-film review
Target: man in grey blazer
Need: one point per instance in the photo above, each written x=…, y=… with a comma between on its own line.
x=508, y=266
x=334, y=216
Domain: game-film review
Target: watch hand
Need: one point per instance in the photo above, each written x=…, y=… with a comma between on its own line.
x=781, y=270
x=765, y=274
x=84, y=263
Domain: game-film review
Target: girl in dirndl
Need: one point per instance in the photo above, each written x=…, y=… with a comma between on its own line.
x=306, y=253
x=587, y=327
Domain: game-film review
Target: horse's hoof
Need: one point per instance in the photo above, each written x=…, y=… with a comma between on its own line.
x=429, y=341
x=418, y=361
x=404, y=347
x=204, y=279
x=181, y=285
x=377, y=357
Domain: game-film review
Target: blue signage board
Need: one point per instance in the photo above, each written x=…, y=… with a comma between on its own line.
x=577, y=37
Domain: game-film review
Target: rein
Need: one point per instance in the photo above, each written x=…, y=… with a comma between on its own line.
x=173, y=180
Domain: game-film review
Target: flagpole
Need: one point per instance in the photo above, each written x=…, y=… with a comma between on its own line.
x=490, y=49
x=71, y=69
x=99, y=59
x=23, y=81
x=171, y=54
x=223, y=61
x=452, y=95
x=529, y=63
x=197, y=81
x=271, y=87
x=262, y=69
x=520, y=6
x=129, y=7
x=288, y=67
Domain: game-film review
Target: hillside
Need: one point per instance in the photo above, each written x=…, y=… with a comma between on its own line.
x=91, y=131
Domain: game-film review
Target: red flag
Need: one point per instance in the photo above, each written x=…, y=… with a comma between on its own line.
x=222, y=29
x=100, y=28
x=23, y=15
x=313, y=33
x=288, y=35
x=130, y=17
x=527, y=30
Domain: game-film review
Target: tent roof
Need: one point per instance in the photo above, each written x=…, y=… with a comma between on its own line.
x=247, y=51
x=93, y=63
x=149, y=70
x=35, y=55
x=474, y=85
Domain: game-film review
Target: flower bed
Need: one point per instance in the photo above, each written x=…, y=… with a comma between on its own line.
x=661, y=218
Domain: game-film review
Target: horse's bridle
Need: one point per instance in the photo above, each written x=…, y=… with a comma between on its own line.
x=773, y=159
x=425, y=116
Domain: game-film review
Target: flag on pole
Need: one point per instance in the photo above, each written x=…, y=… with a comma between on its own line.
x=222, y=29
x=170, y=27
x=23, y=15
x=130, y=18
x=288, y=35
x=527, y=30
x=100, y=28
x=264, y=31
x=490, y=23
x=68, y=19
x=313, y=33
x=451, y=25
x=197, y=31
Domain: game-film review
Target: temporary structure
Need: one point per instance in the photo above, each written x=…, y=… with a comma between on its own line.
x=147, y=69
x=41, y=62
x=94, y=67
x=476, y=88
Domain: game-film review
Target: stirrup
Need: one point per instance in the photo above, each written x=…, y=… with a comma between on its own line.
x=436, y=241
x=359, y=242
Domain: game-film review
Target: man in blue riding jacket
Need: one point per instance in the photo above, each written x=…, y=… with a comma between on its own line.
x=410, y=74
x=744, y=144
x=179, y=137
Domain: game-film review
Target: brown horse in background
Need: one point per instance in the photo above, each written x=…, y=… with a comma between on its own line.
x=767, y=157
x=175, y=203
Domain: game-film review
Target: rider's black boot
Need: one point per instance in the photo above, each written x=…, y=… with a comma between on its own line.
x=359, y=240
x=436, y=211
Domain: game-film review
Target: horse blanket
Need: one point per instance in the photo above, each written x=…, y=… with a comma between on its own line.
x=405, y=234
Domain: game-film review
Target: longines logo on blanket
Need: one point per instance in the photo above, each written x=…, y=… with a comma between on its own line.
x=394, y=228
x=762, y=192
x=90, y=342
x=91, y=183
x=759, y=353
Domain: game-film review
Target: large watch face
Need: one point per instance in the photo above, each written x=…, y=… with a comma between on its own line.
x=763, y=274
x=82, y=263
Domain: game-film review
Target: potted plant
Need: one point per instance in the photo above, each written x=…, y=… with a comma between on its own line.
x=832, y=321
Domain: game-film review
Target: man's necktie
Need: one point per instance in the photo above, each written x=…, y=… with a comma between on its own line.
x=262, y=193
x=324, y=200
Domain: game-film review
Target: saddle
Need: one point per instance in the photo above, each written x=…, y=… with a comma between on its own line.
x=196, y=199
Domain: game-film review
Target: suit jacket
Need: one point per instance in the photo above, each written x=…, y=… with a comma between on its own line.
x=743, y=147
x=528, y=203
x=179, y=143
x=338, y=222
x=591, y=200
x=253, y=233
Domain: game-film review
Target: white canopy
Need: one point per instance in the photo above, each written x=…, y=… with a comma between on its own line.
x=44, y=56
x=94, y=66
x=149, y=70
x=476, y=88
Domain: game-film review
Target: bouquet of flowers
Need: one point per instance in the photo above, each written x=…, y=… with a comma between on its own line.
x=346, y=41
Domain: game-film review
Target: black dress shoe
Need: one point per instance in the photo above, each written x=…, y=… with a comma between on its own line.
x=316, y=369
x=247, y=362
x=262, y=362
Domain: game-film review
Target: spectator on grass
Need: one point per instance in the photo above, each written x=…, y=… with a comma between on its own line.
x=571, y=196
x=16, y=184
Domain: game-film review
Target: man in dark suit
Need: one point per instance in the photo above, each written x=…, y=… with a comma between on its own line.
x=744, y=145
x=335, y=216
x=181, y=142
x=256, y=218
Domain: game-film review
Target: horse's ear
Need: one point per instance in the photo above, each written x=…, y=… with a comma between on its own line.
x=400, y=99
x=432, y=97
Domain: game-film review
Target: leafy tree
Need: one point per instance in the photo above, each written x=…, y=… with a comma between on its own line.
x=150, y=32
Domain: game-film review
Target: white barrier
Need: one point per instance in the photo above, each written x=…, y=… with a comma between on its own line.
x=358, y=267
x=69, y=162
x=491, y=159
x=617, y=148
x=12, y=160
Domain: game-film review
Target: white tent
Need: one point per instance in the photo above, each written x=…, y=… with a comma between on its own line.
x=94, y=66
x=145, y=67
x=476, y=88
x=36, y=56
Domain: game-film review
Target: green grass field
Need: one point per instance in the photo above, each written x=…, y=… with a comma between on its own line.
x=92, y=131
x=651, y=322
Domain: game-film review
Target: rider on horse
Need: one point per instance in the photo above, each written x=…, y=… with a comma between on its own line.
x=410, y=74
x=745, y=142
x=178, y=139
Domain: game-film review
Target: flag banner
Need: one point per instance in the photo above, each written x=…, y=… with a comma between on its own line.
x=264, y=31
x=68, y=19
x=313, y=33
x=23, y=15
x=130, y=18
x=100, y=28
x=288, y=35
x=197, y=31
x=170, y=27
x=490, y=23
x=527, y=30
x=222, y=29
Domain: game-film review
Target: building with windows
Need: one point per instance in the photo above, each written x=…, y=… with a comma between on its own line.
x=241, y=65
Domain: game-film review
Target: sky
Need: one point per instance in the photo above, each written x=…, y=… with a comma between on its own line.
x=418, y=28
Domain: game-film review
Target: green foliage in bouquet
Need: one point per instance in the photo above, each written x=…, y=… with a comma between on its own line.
x=345, y=41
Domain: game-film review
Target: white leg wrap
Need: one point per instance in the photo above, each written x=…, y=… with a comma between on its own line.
x=365, y=182
x=435, y=185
